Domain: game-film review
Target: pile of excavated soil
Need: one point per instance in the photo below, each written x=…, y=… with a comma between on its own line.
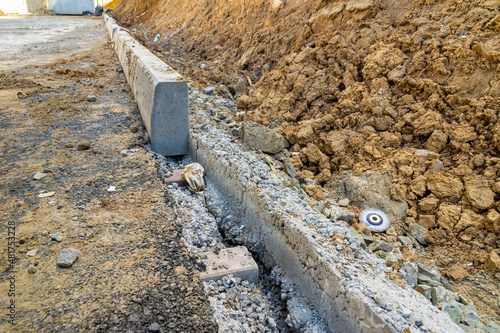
x=406, y=89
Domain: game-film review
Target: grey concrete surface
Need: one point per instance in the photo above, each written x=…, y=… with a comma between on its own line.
x=160, y=92
x=24, y=38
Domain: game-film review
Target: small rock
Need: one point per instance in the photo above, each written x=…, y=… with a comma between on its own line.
x=469, y=315
x=238, y=87
x=453, y=308
x=406, y=241
x=492, y=327
x=31, y=269
x=68, y=145
x=57, y=236
x=154, y=327
x=39, y=175
x=262, y=138
x=479, y=193
x=128, y=152
x=493, y=262
x=424, y=290
x=439, y=295
x=83, y=145
x=314, y=191
x=428, y=281
x=427, y=221
x=443, y=186
x=208, y=90
x=111, y=188
x=67, y=257
x=45, y=233
x=380, y=245
x=289, y=168
x=418, y=233
x=410, y=273
x=309, y=181
x=391, y=260
x=391, y=232
x=344, y=202
x=457, y=272
x=32, y=253
x=91, y=98
x=367, y=239
x=430, y=271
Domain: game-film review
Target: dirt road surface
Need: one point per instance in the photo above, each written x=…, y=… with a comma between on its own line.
x=61, y=84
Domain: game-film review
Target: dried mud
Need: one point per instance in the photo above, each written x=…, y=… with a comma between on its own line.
x=406, y=89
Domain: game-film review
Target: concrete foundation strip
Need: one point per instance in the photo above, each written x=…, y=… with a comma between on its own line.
x=346, y=285
x=160, y=92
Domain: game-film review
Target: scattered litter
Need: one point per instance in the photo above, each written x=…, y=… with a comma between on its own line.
x=193, y=175
x=375, y=219
x=39, y=175
x=46, y=194
x=157, y=38
x=112, y=188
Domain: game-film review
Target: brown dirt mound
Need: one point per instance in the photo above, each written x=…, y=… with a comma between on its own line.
x=406, y=88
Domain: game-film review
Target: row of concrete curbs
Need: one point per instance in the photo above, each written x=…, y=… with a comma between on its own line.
x=346, y=285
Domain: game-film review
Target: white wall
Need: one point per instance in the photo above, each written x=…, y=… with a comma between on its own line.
x=58, y=6
x=14, y=6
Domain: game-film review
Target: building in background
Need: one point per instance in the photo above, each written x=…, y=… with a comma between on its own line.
x=57, y=6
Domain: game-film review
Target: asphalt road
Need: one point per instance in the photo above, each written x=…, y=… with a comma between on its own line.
x=61, y=84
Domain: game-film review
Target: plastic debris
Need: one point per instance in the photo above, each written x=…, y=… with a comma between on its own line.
x=193, y=175
x=157, y=38
x=375, y=219
x=111, y=188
